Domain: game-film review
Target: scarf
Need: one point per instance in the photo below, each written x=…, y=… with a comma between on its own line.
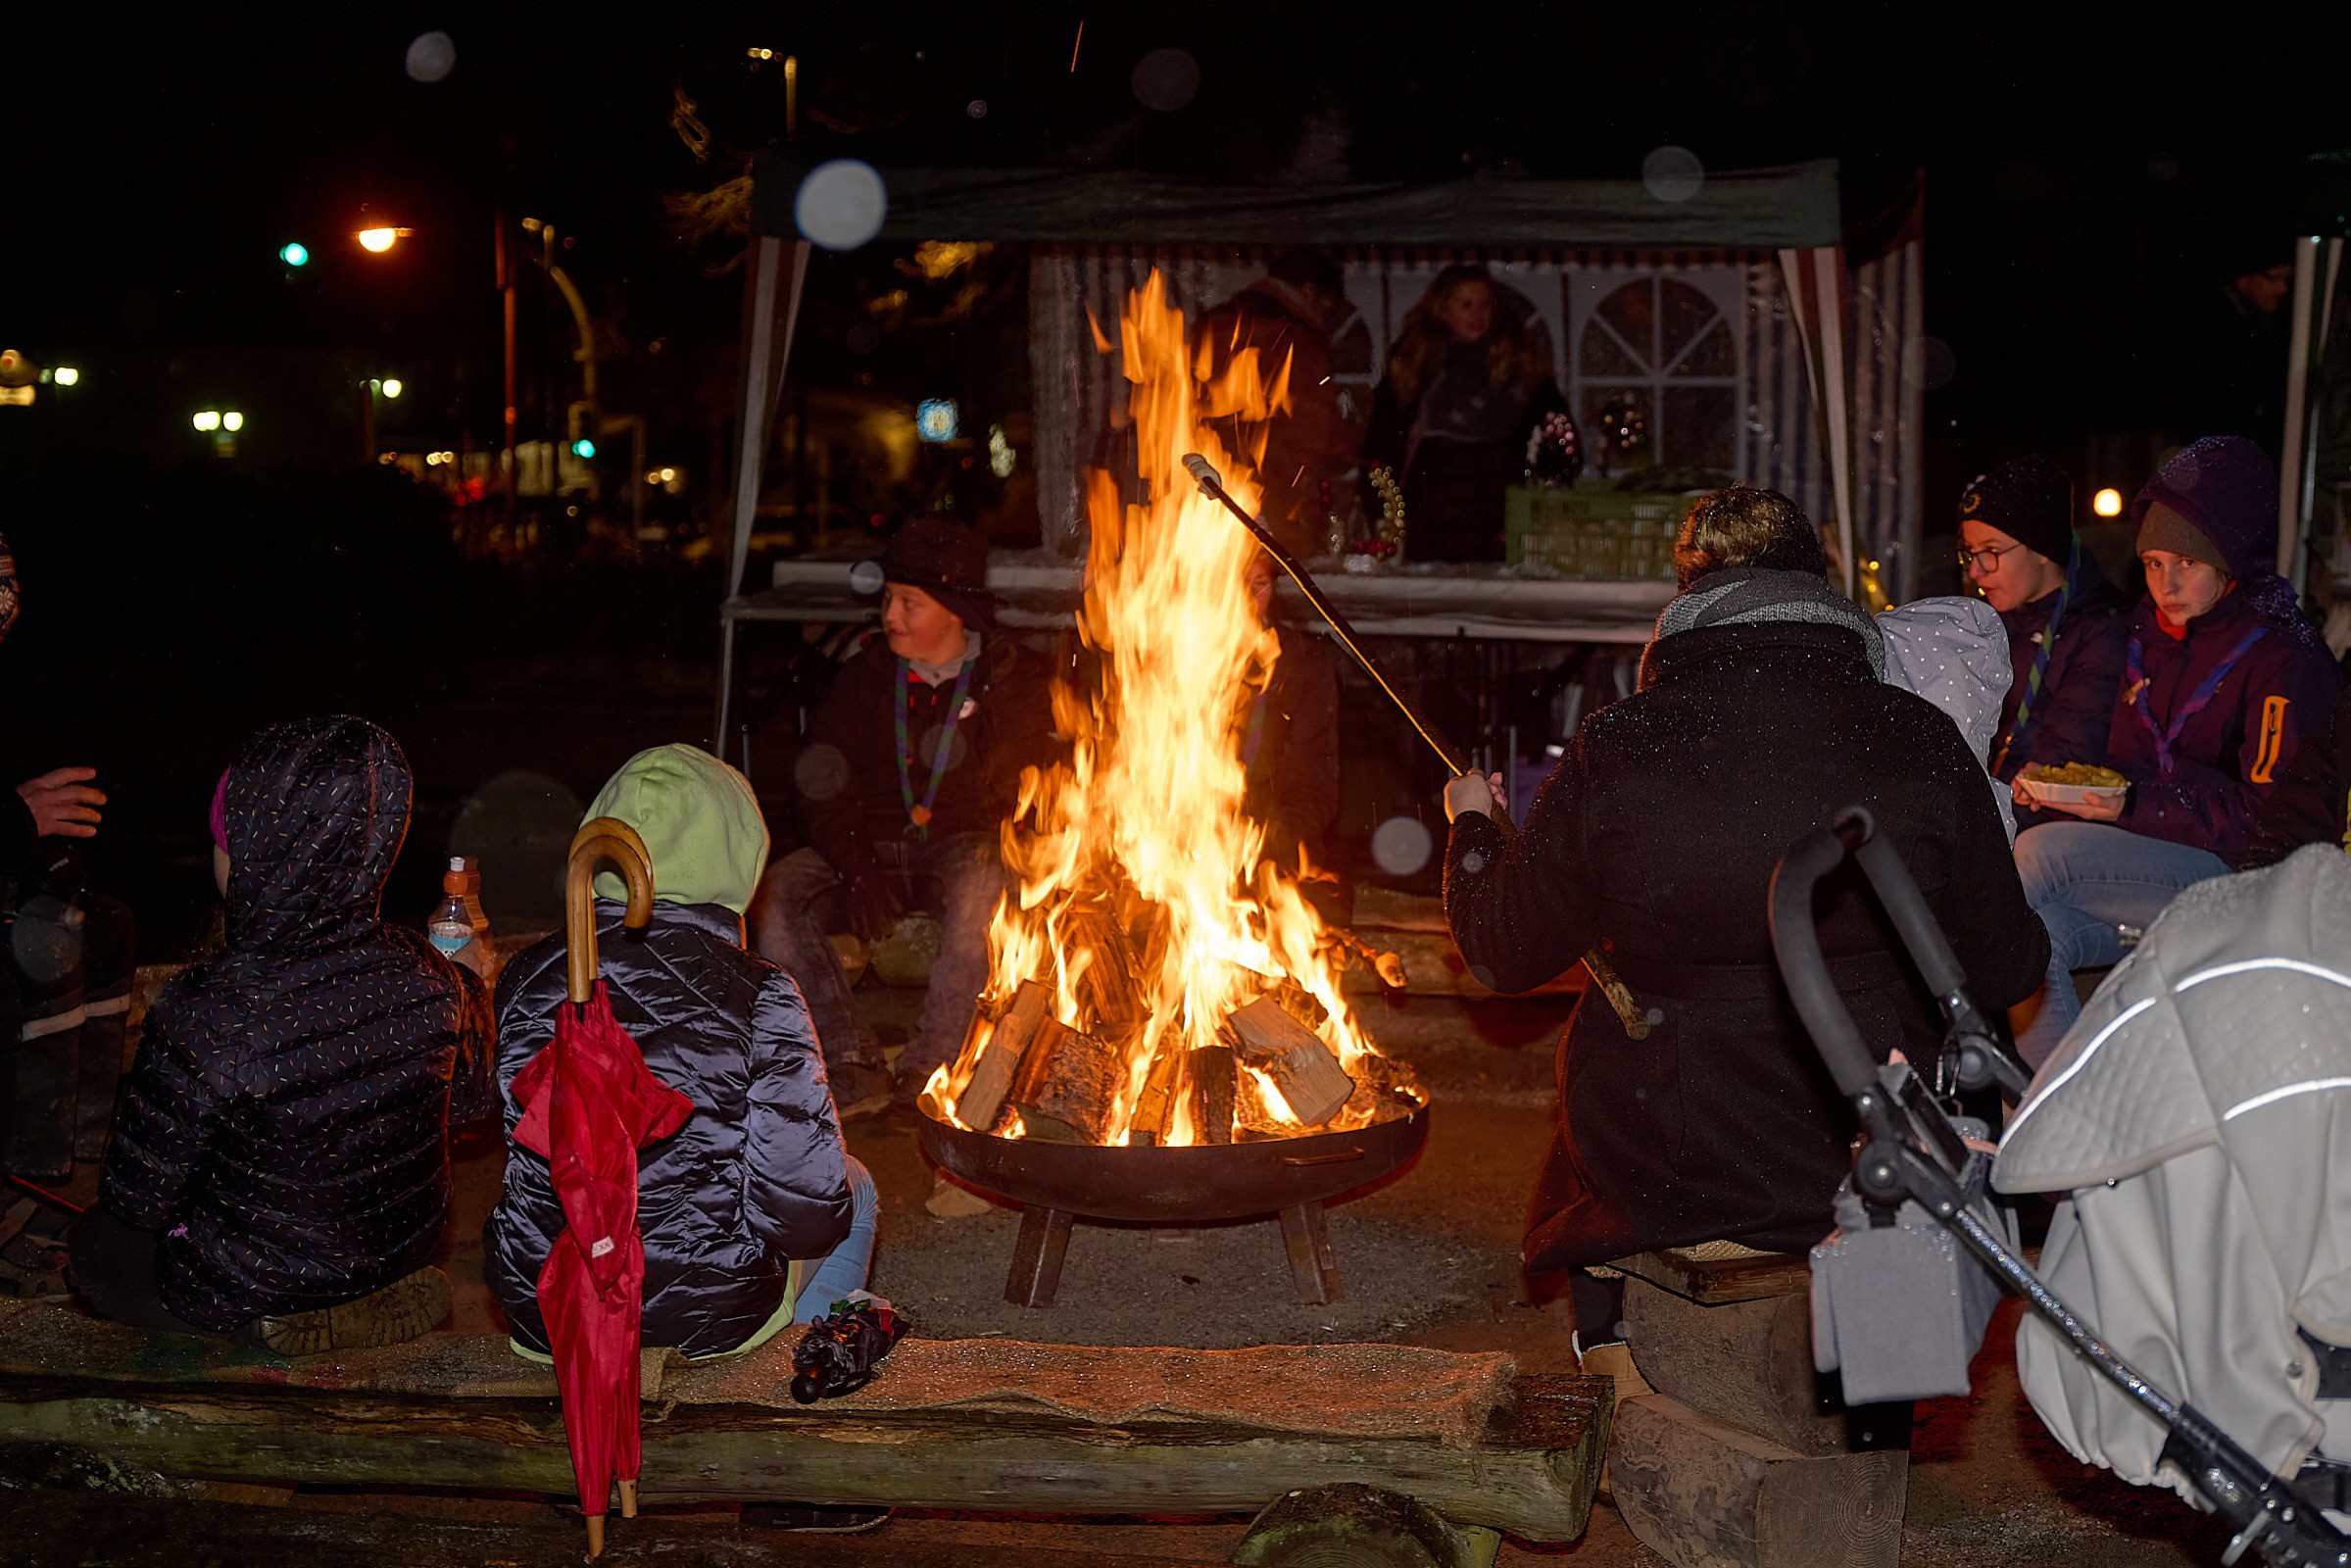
x=1747, y=596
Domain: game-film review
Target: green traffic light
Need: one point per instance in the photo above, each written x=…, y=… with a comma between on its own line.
x=583, y=449
x=294, y=254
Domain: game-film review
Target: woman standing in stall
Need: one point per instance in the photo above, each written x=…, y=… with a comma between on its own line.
x=1465, y=388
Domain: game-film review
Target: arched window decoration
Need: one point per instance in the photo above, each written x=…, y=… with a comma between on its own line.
x=1673, y=346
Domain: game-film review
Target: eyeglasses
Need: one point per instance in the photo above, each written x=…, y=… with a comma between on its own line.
x=1990, y=557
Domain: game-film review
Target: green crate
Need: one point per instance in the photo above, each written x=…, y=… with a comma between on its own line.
x=1598, y=535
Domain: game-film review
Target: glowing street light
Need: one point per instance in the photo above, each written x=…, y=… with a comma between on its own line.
x=380, y=238
x=2107, y=503
x=65, y=376
x=391, y=387
x=232, y=421
x=210, y=420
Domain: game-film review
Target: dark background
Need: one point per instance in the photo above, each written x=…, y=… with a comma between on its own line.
x=2086, y=168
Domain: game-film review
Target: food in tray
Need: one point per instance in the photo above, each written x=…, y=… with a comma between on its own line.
x=2078, y=775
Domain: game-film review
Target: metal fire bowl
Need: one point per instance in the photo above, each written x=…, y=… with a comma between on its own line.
x=1175, y=1185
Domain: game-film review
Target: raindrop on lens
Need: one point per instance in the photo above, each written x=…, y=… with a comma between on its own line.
x=841, y=204
x=1165, y=79
x=431, y=57
x=1672, y=173
x=1929, y=363
x=1400, y=846
x=820, y=773
x=977, y=108
x=865, y=577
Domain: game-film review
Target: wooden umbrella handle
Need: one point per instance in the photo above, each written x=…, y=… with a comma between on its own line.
x=605, y=838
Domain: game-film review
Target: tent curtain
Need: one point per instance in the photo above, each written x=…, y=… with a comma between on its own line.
x=1816, y=295
x=773, y=273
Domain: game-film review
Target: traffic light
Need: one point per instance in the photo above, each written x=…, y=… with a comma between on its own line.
x=294, y=252
x=583, y=448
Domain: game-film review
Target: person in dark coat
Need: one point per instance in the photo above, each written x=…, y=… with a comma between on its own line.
x=1290, y=738
x=1465, y=389
x=2223, y=676
x=2065, y=621
x=1761, y=712
x=2312, y=803
x=911, y=769
x=753, y=1214
x=1310, y=442
x=282, y=1143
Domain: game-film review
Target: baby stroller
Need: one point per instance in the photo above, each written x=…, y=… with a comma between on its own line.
x=2127, y=1098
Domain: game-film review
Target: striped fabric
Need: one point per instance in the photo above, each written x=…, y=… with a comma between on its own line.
x=1077, y=289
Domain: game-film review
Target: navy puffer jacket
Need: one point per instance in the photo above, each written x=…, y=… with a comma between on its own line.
x=286, y=1121
x=758, y=1176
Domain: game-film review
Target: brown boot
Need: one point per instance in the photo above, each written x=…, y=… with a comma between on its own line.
x=402, y=1310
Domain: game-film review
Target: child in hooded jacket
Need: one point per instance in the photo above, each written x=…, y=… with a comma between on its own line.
x=752, y=1213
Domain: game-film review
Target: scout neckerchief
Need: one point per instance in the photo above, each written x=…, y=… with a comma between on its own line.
x=2019, y=726
x=2167, y=736
x=920, y=815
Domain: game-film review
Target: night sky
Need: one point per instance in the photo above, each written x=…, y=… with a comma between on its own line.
x=2082, y=163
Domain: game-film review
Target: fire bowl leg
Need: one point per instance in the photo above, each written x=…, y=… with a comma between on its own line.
x=1037, y=1256
x=1313, y=1267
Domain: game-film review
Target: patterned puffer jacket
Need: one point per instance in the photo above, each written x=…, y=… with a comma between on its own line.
x=286, y=1120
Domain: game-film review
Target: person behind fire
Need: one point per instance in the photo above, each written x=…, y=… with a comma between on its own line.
x=912, y=767
x=2222, y=677
x=1761, y=712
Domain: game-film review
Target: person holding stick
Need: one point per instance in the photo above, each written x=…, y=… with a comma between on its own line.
x=1761, y=712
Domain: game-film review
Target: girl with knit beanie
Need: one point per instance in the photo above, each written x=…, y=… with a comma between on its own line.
x=2222, y=678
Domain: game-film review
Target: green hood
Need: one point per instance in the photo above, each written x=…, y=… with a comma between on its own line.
x=698, y=820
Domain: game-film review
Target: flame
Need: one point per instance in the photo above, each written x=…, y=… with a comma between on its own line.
x=1136, y=874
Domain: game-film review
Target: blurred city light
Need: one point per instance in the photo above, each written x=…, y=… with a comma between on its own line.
x=232, y=420
x=583, y=448
x=2107, y=503
x=379, y=240
x=65, y=376
x=1001, y=456
x=209, y=420
x=294, y=252
x=935, y=419
x=760, y=54
x=392, y=387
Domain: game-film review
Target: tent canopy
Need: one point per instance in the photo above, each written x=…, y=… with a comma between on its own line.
x=1763, y=209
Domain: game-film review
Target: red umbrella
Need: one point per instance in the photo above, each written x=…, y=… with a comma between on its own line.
x=587, y=1102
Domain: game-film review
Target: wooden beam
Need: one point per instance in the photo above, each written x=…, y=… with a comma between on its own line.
x=1532, y=1472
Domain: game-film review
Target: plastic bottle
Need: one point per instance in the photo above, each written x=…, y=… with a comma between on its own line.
x=458, y=920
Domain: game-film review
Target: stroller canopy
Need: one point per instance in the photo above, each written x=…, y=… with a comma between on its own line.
x=2194, y=1115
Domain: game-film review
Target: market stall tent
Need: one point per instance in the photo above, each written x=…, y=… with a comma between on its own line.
x=1732, y=308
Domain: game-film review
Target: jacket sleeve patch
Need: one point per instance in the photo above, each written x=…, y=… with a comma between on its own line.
x=2273, y=739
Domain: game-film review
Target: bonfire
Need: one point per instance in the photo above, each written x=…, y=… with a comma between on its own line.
x=1152, y=981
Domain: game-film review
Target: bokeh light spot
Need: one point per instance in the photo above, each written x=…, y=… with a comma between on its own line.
x=1400, y=846
x=841, y=204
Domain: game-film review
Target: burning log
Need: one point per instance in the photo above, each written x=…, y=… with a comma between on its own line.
x=1067, y=1088
x=1000, y=1055
x=1208, y=1078
x=1294, y=1056
x=1110, y=989
x=1156, y=1109
x=1385, y=1090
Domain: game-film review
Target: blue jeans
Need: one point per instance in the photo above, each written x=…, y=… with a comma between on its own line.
x=2083, y=879
x=844, y=1269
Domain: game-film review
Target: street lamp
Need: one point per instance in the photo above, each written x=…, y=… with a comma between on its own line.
x=65, y=376
x=232, y=421
x=380, y=238
x=2107, y=503
x=391, y=387
x=209, y=420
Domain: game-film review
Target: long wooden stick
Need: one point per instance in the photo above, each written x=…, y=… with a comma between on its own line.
x=605, y=838
x=1628, y=1010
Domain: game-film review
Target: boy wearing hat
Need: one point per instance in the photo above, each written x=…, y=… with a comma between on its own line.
x=2065, y=621
x=912, y=767
x=2222, y=677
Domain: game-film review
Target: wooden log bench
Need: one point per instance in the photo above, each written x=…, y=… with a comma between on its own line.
x=1433, y=1454
x=1744, y=1455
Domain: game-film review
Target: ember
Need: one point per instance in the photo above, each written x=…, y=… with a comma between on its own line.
x=1151, y=981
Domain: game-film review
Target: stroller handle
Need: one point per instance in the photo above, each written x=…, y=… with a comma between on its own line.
x=1797, y=943
x=1898, y=891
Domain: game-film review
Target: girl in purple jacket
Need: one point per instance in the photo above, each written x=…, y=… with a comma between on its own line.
x=2222, y=678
